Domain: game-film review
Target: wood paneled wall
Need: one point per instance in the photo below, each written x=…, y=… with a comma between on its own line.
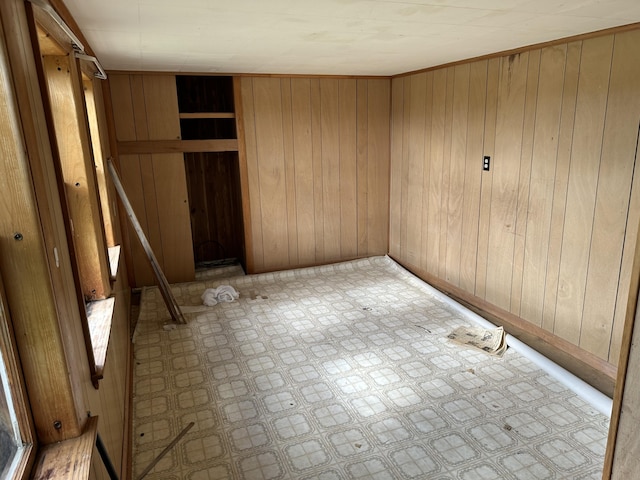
x=548, y=233
x=317, y=155
x=145, y=107
x=38, y=270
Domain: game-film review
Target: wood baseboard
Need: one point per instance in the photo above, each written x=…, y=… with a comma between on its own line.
x=596, y=372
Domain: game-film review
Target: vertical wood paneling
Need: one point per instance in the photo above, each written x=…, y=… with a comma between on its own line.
x=395, y=188
x=172, y=207
x=318, y=183
x=131, y=174
x=347, y=93
x=612, y=198
x=404, y=191
x=435, y=169
x=330, y=123
x=246, y=87
x=426, y=170
x=446, y=173
x=146, y=108
x=493, y=76
x=290, y=171
x=506, y=166
x=379, y=95
x=457, y=166
x=362, y=140
x=541, y=182
x=271, y=170
x=625, y=295
x=414, y=151
x=524, y=179
x=473, y=174
x=565, y=138
x=318, y=164
x=303, y=158
x=160, y=107
x=591, y=106
x=545, y=233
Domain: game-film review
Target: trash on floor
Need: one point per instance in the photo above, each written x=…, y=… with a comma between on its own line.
x=223, y=293
x=492, y=341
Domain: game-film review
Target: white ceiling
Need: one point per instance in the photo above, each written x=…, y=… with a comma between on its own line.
x=349, y=37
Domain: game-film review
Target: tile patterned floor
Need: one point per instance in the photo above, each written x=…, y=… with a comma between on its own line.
x=345, y=372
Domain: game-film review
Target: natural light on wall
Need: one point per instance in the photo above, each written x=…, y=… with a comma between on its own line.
x=10, y=439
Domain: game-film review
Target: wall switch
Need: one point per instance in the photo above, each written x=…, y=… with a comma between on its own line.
x=486, y=162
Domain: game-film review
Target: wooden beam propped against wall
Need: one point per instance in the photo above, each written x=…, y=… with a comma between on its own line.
x=165, y=289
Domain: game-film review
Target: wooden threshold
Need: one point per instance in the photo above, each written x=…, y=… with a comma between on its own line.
x=177, y=146
x=68, y=459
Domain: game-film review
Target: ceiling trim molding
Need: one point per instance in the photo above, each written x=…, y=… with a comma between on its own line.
x=535, y=46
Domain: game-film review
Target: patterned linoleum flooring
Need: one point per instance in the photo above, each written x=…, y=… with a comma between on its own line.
x=344, y=372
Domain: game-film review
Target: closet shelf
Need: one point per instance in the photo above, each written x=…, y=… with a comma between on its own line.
x=196, y=115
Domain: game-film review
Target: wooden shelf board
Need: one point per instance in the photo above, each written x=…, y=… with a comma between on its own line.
x=198, y=115
x=68, y=459
x=141, y=147
x=114, y=261
x=100, y=316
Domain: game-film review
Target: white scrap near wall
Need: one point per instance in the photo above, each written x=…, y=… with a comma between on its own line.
x=223, y=293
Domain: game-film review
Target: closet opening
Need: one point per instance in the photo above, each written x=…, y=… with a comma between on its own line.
x=213, y=178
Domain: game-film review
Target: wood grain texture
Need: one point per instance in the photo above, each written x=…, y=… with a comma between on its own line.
x=32, y=304
x=586, y=150
x=29, y=95
x=317, y=161
x=379, y=92
x=145, y=111
x=456, y=170
x=563, y=161
x=491, y=108
x=213, y=183
x=436, y=167
x=473, y=174
x=414, y=163
x=254, y=222
x=290, y=180
x=524, y=180
x=70, y=458
x=330, y=128
x=245, y=201
x=76, y=159
x=506, y=166
x=101, y=151
x=544, y=233
x=267, y=101
x=177, y=146
x=303, y=167
x=612, y=205
x=347, y=123
x=541, y=182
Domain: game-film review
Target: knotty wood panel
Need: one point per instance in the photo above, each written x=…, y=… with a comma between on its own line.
x=318, y=168
x=145, y=108
x=545, y=233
